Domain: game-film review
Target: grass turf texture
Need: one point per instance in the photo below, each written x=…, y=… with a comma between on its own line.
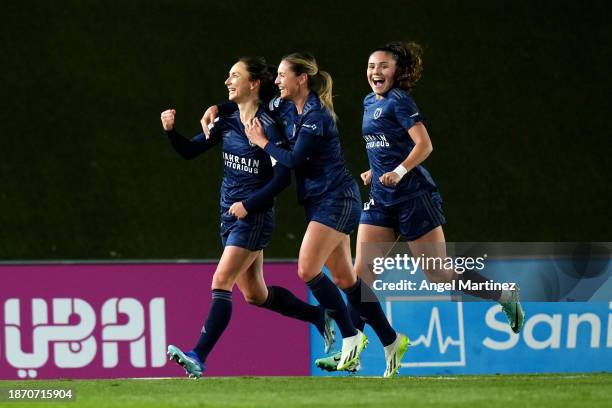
x=584, y=390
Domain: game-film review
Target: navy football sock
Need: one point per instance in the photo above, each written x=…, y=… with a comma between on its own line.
x=330, y=298
x=358, y=322
x=362, y=298
x=282, y=301
x=475, y=277
x=218, y=318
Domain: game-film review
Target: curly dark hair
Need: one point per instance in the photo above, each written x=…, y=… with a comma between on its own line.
x=409, y=62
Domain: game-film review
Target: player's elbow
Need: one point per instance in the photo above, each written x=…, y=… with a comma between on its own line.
x=293, y=161
x=426, y=148
x=184, y=151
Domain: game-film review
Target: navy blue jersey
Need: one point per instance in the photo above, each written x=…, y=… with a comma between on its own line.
x=385, y=130
x=248, y=170
x=315, y=151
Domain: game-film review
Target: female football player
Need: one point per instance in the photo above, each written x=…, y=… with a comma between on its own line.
x=403, y=196
x=250, y=183
x=329, y=194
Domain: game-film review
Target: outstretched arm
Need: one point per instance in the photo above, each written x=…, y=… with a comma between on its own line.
x=186, y=148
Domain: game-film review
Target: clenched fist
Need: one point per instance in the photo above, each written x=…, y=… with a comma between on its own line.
x=390, y=179
x=366, y=177
x=238, y=210
x=167, y=119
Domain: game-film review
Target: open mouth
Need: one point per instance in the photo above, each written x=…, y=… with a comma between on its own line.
x=378, y=83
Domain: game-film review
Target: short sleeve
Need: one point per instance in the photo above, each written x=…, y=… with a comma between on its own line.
x=407, y=112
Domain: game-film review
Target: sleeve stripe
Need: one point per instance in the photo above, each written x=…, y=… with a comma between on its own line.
x=398, y=94
x=266, y=119
x=307, y=107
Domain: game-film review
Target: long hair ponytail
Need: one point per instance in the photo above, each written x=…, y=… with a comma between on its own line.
x=319, y=81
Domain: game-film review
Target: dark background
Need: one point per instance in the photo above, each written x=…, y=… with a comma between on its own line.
x=514, y=92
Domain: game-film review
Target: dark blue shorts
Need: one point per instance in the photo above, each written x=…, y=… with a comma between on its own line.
x=253, y=232
x=412, y=218
x=339, y=211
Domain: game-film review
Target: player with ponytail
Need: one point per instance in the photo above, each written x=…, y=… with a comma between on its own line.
x=325, y=188
x=251, y=180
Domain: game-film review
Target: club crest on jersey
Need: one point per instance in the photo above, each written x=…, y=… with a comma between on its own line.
x=377, y=113
x=274, y=103
x=313, y=127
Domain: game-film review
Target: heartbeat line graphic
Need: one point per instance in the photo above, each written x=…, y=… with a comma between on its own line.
x=443, y=343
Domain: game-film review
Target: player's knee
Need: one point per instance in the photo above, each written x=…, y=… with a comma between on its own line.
x=345, y=282
x=222, y=282
x=340, y=282
x=306, y=272
x=359, y=269
x=254, y=299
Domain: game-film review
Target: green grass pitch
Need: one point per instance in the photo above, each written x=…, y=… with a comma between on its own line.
x=574, y=390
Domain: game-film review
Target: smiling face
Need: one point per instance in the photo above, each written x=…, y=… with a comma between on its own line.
x=239, y=87
x=381, y=72
x=287, y=81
